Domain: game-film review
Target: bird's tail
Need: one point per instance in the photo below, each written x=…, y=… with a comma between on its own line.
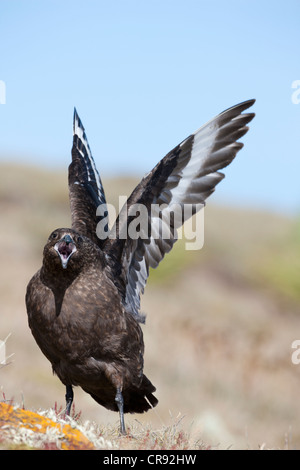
x=136, y=400
x=139, y=400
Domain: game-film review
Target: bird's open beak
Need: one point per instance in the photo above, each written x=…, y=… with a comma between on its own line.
x=65, y=249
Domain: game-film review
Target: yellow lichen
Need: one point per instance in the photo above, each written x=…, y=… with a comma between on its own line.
x=18, y=420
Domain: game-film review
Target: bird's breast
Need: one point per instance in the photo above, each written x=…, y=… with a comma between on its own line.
x=84, y=320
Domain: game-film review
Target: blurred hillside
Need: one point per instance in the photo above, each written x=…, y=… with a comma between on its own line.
x=220, y=321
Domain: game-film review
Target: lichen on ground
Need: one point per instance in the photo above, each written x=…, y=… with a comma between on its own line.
x=45, y=430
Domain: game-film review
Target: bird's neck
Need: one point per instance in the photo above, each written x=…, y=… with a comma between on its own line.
x=57, y=278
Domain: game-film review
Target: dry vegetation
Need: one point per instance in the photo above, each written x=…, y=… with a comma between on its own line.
x=219, y=329
x=22, y=429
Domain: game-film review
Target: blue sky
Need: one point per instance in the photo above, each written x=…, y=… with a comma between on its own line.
x=144, y=75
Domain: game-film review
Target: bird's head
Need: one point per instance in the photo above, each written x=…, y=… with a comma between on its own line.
x=63, y=248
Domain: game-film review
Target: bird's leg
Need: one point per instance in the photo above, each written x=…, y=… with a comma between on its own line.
x=69, y=398
x=120, y=403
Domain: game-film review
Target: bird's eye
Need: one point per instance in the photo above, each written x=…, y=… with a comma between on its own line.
x=79, y=239
x=53, y=235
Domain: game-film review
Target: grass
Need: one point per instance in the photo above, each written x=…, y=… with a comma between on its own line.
x=22, y=429
x=282, y=264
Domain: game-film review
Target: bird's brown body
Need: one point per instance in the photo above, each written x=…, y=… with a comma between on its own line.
x=78, y=321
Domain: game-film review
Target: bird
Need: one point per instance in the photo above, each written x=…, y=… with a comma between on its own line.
x=84, y=303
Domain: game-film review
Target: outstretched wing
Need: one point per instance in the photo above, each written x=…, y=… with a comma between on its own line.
x=186, y=175
x=85, y=187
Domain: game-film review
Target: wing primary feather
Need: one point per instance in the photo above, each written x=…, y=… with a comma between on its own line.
x=85, y=187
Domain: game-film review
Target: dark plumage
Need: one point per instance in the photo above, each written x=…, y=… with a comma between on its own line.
x=84, y=303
